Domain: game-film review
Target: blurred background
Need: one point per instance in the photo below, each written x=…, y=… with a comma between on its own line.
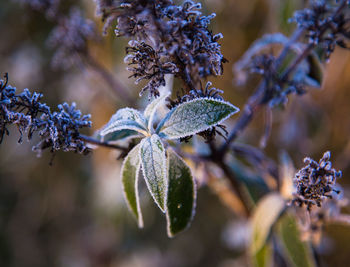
x=73, y=214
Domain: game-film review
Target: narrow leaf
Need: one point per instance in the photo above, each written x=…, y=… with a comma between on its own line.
x=315, y=75
x=194, y=116
x=298, y=252
x=130, y=175
x=265, y=215
x=152, y=108
x=125, y=119
x=153, y=163
x=263, y=257
x=181, y=196
x=120, y=135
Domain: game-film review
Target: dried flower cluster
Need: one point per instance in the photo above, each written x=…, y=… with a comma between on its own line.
x=277, y=89
x=70, y=37
x=315, y=182
x=167, y=39
x=57, y=130
x=326, y=26
x=49, y=7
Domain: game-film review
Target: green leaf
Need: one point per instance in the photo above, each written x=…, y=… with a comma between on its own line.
x=298, y=252
x=181, y=196
x=120, y=135
x=130, y=175
x=153, y=163
x=315, y=75
x=263, y=257
x=265, y=215
x=194, y=116
x=125, y=119
x=152, y=108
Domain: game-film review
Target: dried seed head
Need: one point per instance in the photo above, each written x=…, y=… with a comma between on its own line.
x=315, y=182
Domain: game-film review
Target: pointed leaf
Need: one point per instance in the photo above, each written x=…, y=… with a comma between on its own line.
x=298, y=252
x=181, y=196
x=265, y=215
x=125, y=119
x=194, y=116
x=130, y=175
x=152, y=108
x=120, y=135
x=153, y=163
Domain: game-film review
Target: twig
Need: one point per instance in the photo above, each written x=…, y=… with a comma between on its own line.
x=114, y=84
x=236, y=186
x=255, y=101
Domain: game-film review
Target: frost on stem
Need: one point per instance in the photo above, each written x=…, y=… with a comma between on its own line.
x=167, y=39
x=57, y=130
x=316, y=182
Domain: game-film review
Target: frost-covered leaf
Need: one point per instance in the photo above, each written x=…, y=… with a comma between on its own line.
x=120, y=135
x=125, y=119
x=194, y=116
x=265, y=215
x=130, y=175
x=153, y=163
x=298, y=253
x=152, y=108
x=181, y=196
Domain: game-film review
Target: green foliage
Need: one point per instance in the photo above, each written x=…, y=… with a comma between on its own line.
x=181, y=195
x=125, y=119
x=263, y=257
x=194, y=116
x=152, y=108
x=130, y=176
x=298, y=252
x=265, y=216
x=152, y=154
x=168, y=178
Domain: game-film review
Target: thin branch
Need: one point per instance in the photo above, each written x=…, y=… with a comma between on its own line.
x=255, y=101
x=113, y=83
x=236, y=186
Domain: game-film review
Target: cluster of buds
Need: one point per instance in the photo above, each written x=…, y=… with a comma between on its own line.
x=315, y=182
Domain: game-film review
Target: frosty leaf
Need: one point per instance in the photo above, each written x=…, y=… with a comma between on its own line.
x=119, y=135
x=181, y=196
x=298, y=253
x=265, y=215
x=125, y=119
x=153, y=163
x=152, y=108
x=130, y=175
x=194, y=116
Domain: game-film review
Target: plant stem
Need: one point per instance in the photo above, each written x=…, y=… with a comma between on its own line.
x=255, y=101
x=236, y=186
x=117, y=87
